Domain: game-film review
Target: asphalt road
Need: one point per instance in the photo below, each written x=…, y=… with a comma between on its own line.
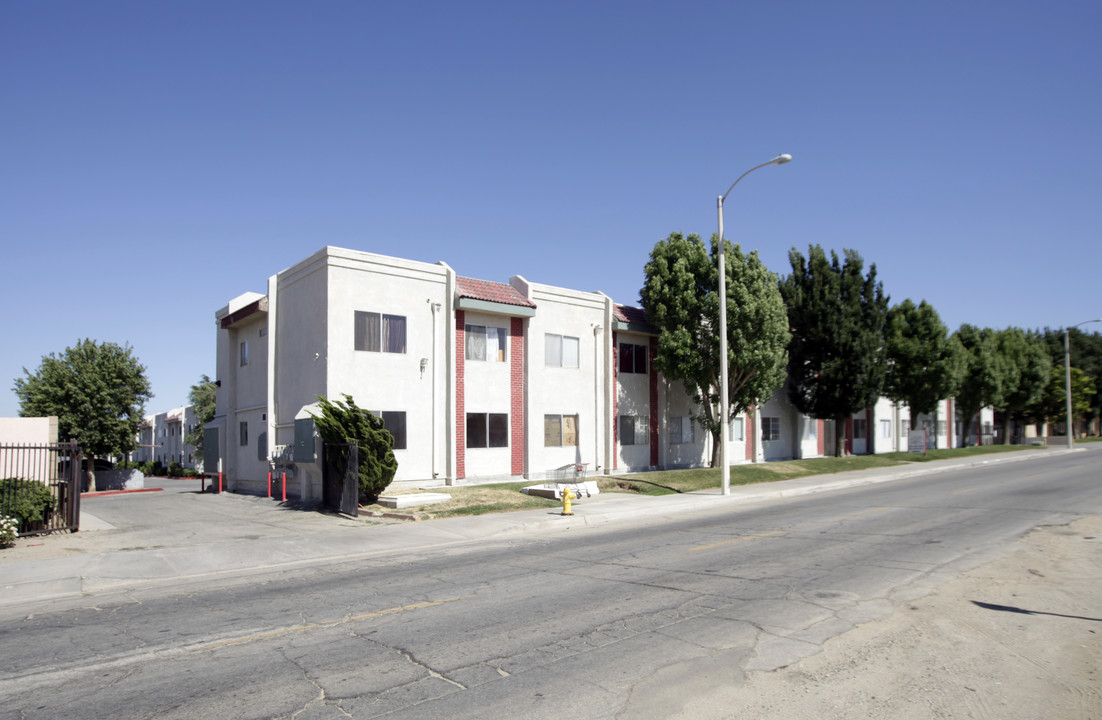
x=626, y=620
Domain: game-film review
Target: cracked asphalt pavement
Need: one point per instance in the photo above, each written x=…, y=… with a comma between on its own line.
x=640, y=618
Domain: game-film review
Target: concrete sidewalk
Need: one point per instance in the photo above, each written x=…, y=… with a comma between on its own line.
x=132, y=540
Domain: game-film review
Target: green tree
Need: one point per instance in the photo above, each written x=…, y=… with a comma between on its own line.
x=344, y=422
x=1026, y=369
x=1086, y=354
x=98, y=393
x=836, y=358
x=681, y=299
x=924, y=367
x=202, y=398
x=984, y=369
x=1052, y=405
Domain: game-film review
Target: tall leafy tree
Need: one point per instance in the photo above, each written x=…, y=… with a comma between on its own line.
x=982, y=381
x=680, y=296
x=1026, y=370
x=1052, y=405
x=202, y=397
x=1086, y=354
x=98, y=393
x=924, y=367
x=837, y=314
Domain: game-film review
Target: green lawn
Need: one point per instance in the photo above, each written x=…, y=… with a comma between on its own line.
x=506, y=497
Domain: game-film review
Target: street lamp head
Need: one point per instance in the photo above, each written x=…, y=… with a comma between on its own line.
x=781, y=159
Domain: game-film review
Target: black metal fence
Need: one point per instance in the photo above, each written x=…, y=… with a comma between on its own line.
x=340, y=487
x=27, y=468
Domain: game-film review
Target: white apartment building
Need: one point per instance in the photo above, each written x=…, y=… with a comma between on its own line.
x=477, y=381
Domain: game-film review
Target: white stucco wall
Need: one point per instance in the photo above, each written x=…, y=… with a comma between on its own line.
x=387, y=381
x=22, y=430
x=566, y=390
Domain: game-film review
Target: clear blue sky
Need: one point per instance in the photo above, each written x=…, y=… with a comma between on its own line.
x=160, y=158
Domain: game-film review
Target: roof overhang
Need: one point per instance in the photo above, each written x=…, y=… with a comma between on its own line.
x=496, y=308
x=257, y=306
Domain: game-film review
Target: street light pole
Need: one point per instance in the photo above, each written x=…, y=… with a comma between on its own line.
x=1067, y=376
x=723, y=402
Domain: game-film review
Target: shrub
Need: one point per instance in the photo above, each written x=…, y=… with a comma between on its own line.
x=31, y=501
x=9, y=531
x=343, y=422
x=175, y=470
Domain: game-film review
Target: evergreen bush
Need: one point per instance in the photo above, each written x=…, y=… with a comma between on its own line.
x=30, y=500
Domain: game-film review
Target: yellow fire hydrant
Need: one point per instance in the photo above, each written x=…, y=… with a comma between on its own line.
x=567, y=496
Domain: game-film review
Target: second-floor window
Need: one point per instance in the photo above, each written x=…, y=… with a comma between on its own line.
x=633, y=358
x=485, y=343
x=244, y=353
x=560, y=351
x=376, y=332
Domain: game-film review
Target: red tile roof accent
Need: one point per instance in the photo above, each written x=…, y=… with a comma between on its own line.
x=629, y=314
x=490, y=292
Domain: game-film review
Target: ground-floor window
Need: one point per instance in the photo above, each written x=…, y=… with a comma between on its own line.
x=560, y=430
x=885, y=428
x=681, y=430
x=395, y=422
x=770, y=428
x=634, y=430
x=859, y=428
x=487, y=430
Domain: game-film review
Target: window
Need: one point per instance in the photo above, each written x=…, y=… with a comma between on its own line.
x=885, y=428
x=487, y=430
x=634, y=430
x=681, y=430
x=904, y=427
x=560, y=430
x=485, y=343
x=735, y=430
x=244, y=354
x=770, y=429
x=243, y=432
x=812, y=428
x=395, y=423
x=633, y=358
x=375, y=332
x=859, y=427
x=560, y=351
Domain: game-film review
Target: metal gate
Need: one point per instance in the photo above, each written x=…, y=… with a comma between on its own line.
x=58, y=467
x=340, y=486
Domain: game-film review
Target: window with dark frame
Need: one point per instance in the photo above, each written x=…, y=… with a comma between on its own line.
x=485, y=342
x=395, y=423
x=244, y=354
x=860, y=429
x=487, y=430
x=633, y=358
x=770, y=429
x=376, y=332
x=634, y=430
x=243, y=432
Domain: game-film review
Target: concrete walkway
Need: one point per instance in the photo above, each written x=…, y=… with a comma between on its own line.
x=134, y=539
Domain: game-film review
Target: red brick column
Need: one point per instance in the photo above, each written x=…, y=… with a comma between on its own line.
x=460, y=402
x=518, y=440
x=820, y=430
x=748, y=436
x=653, y=371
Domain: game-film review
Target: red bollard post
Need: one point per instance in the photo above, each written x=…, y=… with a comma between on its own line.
x=269, y=484
x=284, y=478
x=219, y=482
